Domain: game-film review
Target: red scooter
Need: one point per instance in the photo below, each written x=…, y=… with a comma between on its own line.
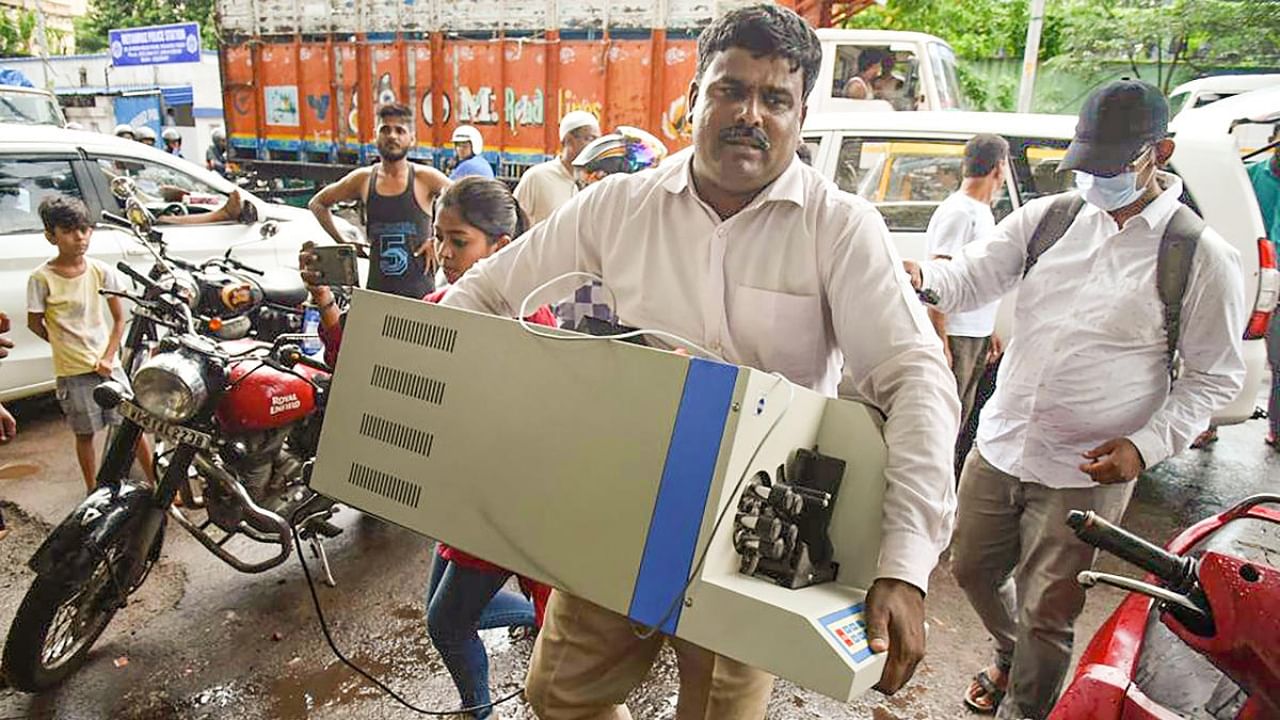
x=1199, y=637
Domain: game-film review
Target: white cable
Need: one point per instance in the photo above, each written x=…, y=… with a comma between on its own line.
x=676, y=340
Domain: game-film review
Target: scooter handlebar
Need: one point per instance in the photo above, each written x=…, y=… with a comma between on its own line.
x=1176, y=572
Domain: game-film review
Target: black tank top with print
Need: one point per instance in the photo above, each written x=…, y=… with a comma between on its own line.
x=396, y=227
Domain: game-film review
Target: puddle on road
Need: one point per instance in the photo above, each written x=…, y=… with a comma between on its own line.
x=18, y=470
x=402, y=657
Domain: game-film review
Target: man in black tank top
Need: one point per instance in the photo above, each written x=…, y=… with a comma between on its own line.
x=398, y=197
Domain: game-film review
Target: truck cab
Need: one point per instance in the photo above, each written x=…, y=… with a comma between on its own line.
x=30, y=106
x=918, y=72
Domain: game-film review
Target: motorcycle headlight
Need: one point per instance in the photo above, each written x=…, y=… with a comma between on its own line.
x=170, y=386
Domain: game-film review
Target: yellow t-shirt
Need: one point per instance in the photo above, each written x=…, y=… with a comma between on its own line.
x=75, y=315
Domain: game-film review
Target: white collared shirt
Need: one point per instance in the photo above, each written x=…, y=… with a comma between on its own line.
x=544, y=188
x=1087, y=360
x=803, y=281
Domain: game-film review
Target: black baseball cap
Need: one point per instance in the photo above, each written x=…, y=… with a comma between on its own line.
x=1116, y=122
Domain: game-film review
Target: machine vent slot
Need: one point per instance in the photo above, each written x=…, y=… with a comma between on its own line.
x=393, y=433
x=386, y=485
x=418, y=332
x=407, y=383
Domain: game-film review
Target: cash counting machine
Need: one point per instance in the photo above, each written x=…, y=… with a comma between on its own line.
x=717, y=503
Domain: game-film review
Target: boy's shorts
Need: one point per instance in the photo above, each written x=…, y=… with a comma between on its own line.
x=75, y=395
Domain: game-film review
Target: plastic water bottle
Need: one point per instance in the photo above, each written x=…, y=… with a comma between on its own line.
x=312, y=346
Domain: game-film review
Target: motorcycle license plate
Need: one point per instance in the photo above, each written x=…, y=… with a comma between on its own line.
x=175, y=434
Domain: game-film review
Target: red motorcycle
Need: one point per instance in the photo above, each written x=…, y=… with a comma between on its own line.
x=244, y=417
x=1199, y=637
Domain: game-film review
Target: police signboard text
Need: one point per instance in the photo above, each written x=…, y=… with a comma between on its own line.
x=155, y=45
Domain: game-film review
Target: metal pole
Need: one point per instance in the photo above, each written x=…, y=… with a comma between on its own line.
x=1030, y=57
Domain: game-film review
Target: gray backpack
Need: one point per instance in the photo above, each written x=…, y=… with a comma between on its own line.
x=1173, y=265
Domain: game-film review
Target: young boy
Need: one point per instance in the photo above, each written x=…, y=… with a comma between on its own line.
x=65, y=308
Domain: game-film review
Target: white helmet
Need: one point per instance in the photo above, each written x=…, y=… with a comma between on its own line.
x=218, y=134
x=123, y=129
x=144, y=132
x=171, y=134
x=468, y=134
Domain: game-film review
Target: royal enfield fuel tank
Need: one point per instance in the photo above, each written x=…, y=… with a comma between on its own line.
x=264, y=398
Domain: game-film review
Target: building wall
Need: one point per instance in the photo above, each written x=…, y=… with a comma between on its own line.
x=59, y=16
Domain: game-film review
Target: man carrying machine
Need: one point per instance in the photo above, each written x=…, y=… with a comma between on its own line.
x=750, y=253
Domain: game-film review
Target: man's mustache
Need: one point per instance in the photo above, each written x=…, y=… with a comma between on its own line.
x=743, y=132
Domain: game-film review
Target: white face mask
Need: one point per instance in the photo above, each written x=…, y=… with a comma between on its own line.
x=1110, y=193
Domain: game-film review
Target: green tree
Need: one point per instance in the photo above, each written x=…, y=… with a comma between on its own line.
x=1163, y=40
x=976, y=29
x=17, y=27
x=104, y=15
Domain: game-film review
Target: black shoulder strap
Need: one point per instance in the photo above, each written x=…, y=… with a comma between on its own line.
x=1052, y=226
x=1173, y=269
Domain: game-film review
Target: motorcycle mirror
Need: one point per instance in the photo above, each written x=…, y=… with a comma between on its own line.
x=269, y=229
x=139, y=217
x=123, y=187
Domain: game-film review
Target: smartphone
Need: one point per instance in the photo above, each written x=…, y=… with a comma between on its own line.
x=335, y=265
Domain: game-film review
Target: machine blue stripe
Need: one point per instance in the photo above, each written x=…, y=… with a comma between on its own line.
x=682, y=494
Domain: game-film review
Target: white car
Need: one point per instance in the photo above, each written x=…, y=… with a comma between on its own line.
x=908, y=163
x=1208, y=90
x=38, y=161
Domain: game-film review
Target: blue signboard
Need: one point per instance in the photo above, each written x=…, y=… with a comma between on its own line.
x=155, y=45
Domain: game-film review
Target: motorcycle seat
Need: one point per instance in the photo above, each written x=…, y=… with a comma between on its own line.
x=282, y=287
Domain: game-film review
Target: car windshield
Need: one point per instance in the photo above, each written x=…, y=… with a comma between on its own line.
x=28, y=108
x=898, y=80
x=161, y=184
x=944, y=76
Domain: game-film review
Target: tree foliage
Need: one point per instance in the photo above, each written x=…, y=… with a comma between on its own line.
x=17, y=28
x=1162, y=39
x=105, y=15
x=976, y=29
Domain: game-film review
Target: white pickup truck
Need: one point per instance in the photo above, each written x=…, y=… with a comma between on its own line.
x=917, y=72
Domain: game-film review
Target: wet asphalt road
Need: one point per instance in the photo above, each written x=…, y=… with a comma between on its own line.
x=201, y=641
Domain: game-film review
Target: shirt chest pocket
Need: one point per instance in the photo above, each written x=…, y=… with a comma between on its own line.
x=781, y=331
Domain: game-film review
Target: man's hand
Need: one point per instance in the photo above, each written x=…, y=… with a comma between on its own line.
x=895, y=622
x=1114, y=461
x=913, y=270
x=995, y=350
x=103, y=367
x=8, y=426
x=428, y=250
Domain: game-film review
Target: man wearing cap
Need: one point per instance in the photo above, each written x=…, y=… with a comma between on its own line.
x=468, y=144
x=544, y=188
x=1086, y=399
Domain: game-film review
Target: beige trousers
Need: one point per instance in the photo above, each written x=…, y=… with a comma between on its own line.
x=588, y=659
x=968, y=362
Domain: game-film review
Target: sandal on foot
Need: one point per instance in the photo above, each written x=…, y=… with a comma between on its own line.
x=1205, y=439
x=983, y=696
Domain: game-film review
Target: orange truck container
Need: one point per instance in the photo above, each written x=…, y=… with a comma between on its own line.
x=301, y=78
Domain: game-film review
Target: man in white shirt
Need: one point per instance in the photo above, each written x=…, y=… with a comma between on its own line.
x=1085, y=398
x=544, y=188
x=739, y=247
x=963, y=218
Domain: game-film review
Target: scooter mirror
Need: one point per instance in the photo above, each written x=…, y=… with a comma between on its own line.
x=269, y=229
